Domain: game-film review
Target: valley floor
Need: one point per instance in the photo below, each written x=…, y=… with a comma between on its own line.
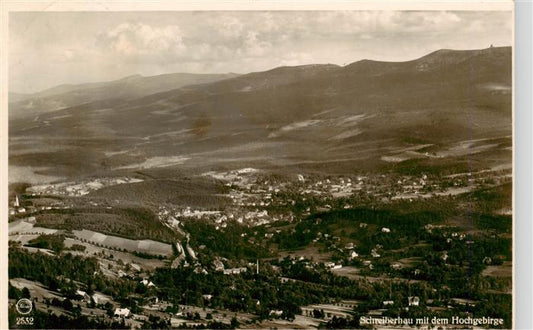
x=272, y=251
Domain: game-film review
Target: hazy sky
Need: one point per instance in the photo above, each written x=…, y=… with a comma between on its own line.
x=47, y=49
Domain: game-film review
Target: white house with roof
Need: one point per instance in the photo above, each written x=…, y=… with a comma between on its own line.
x=349, y=246
x=234, y=270
x=413, y=301
x=122, y=312
x=147, y=283
x=396, y=265
x=100, y=298
x=83, y=294
x=276, y=312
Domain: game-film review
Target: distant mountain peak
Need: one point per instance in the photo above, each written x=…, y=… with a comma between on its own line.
x=452, y=55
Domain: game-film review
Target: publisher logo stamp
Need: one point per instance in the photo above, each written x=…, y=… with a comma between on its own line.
x=24, y=306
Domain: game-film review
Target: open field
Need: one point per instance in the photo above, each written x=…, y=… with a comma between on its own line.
x=20, y=227
x=142, y=246
x=347, y=271
x=37, y=289
x=126, y=257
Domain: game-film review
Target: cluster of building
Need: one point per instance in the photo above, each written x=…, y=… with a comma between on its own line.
x=73, y=189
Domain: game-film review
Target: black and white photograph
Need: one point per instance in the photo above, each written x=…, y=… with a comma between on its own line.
x=262, y=168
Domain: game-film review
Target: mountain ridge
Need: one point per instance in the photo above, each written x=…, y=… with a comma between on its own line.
x=67, y=95
x=364, y=113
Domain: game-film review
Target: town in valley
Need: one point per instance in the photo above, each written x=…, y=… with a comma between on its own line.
x=366, y=194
